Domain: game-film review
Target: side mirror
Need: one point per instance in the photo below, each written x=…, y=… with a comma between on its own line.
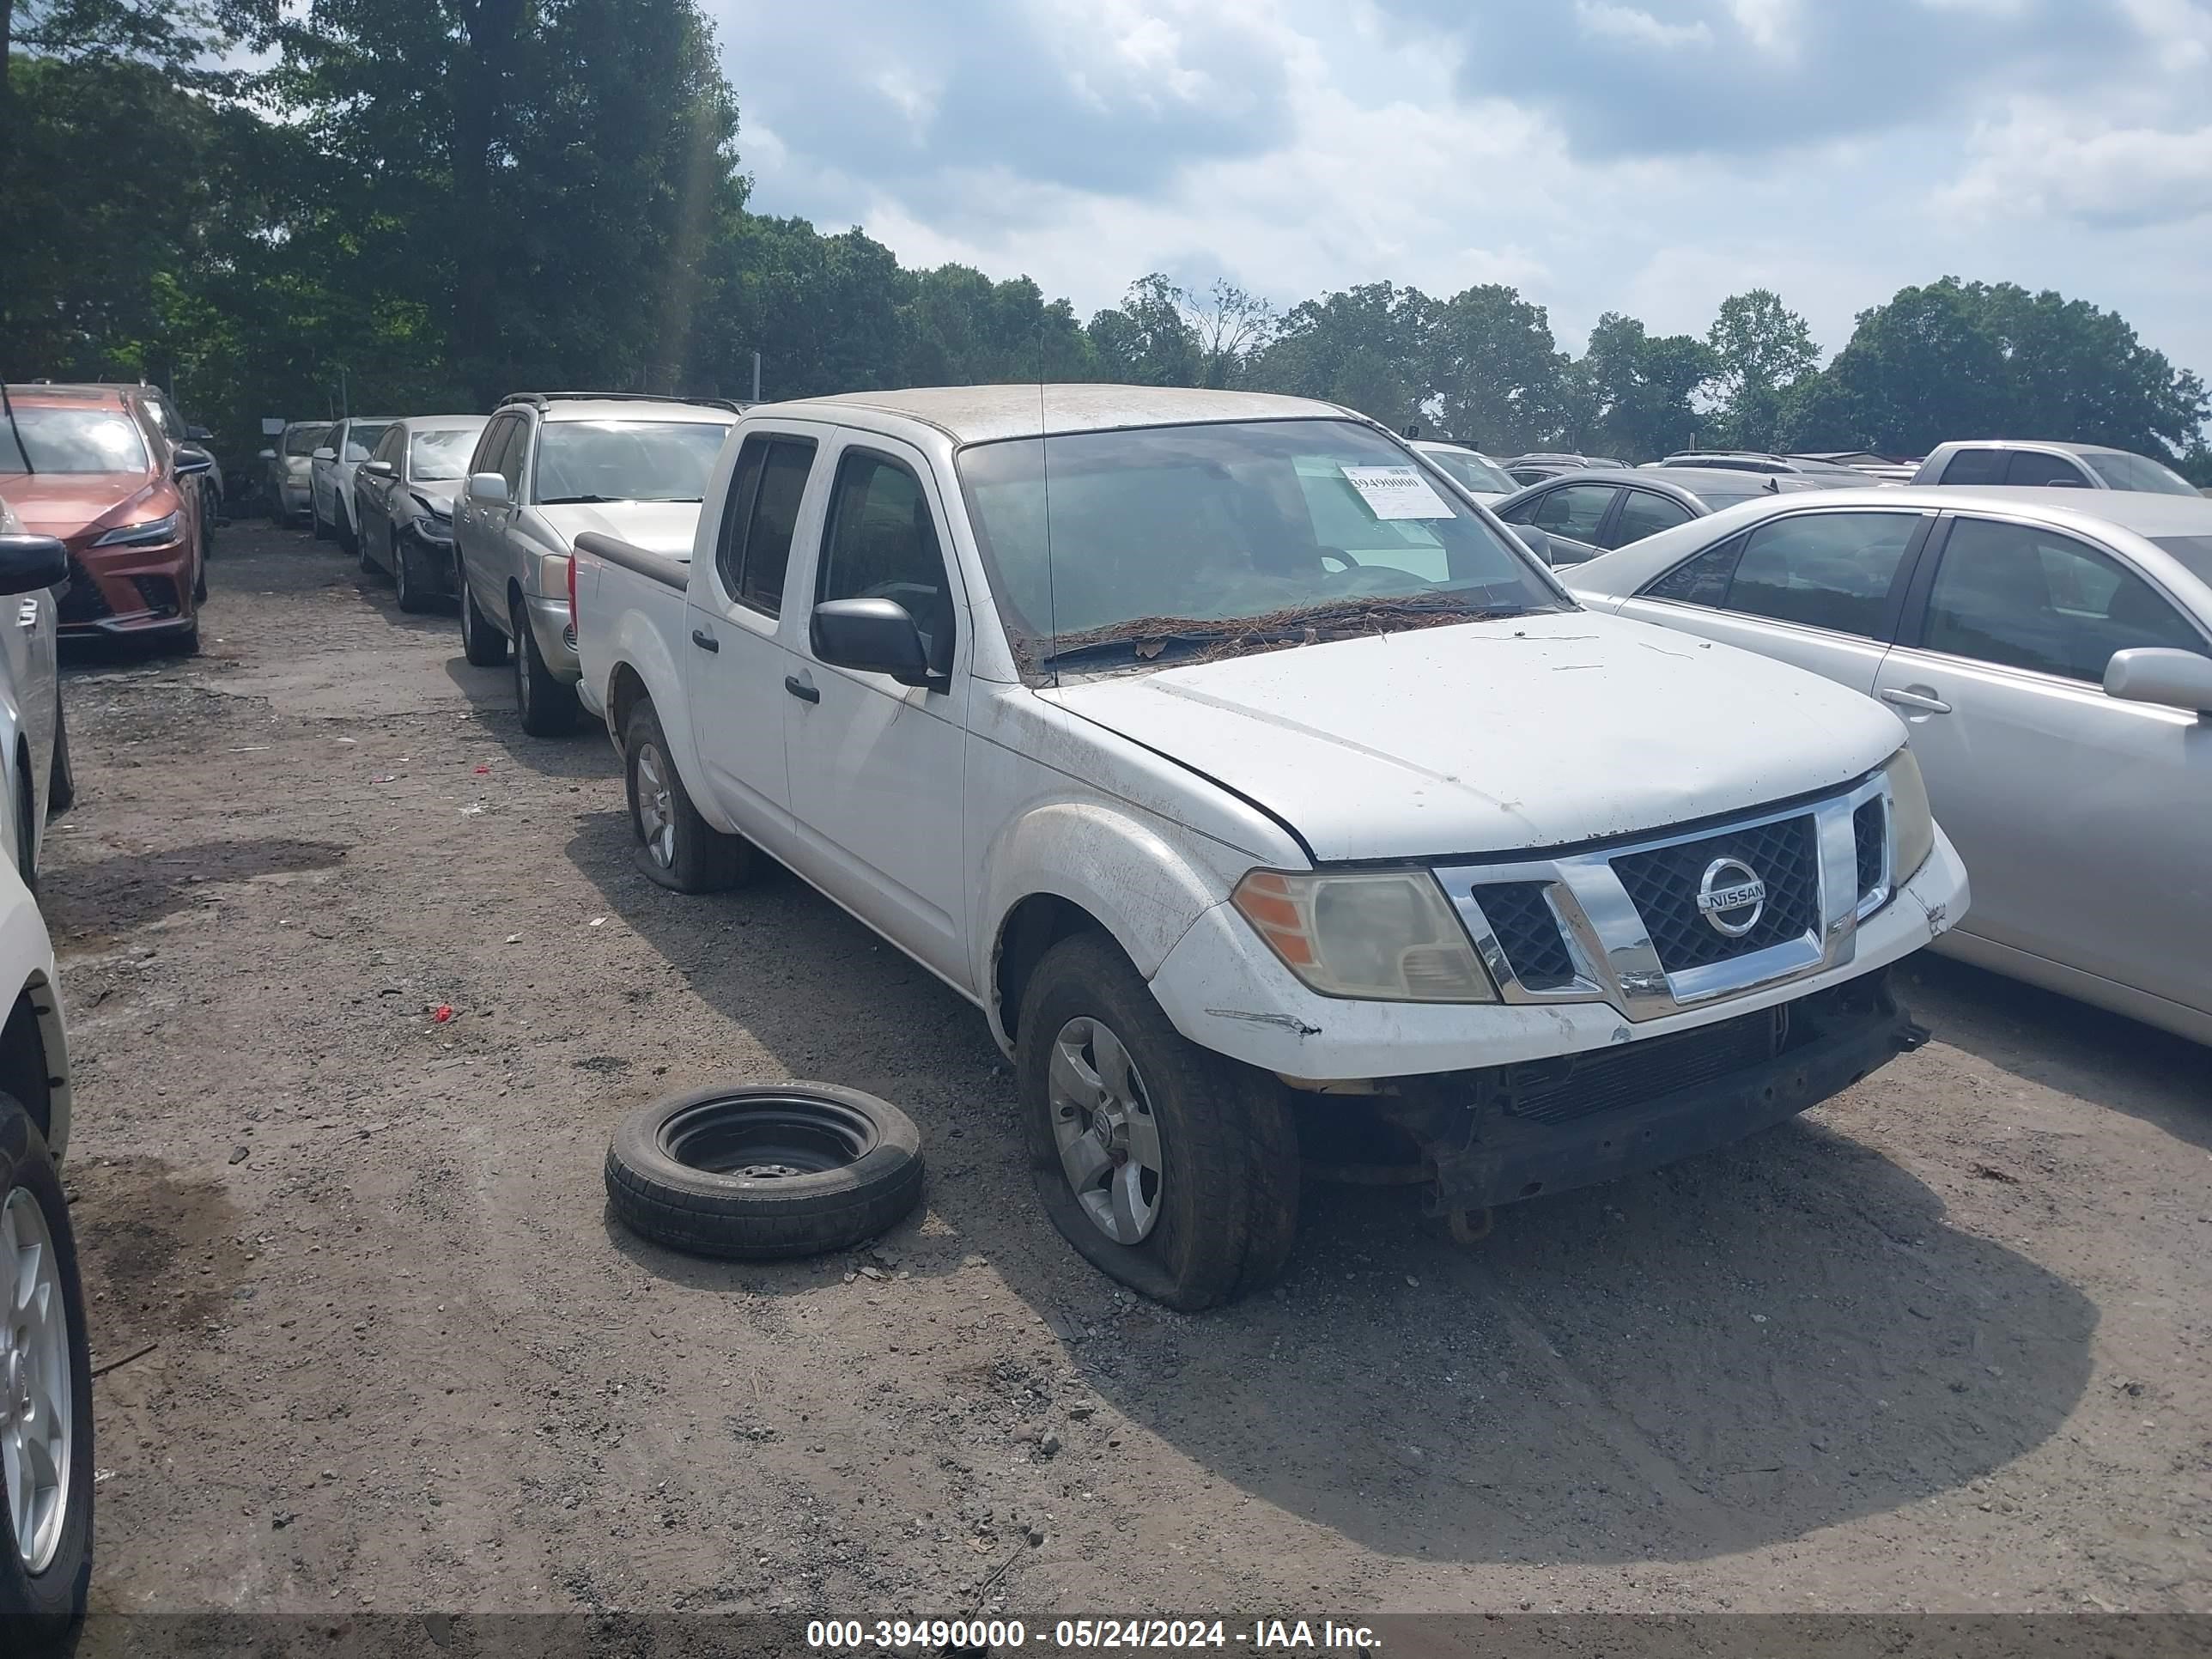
x=267, y=455
x=1533, y=539
x=28, y=563
x=326, y=454
x=2173, y=679
x=378, y=468
x=192, y=459
x=877, y=637
x=490, y=488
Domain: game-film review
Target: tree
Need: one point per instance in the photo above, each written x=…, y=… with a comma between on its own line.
x=1640, y=388
x=1365, y=347
x=1500, y=381
x=1147, y=340
x=960, y=328
x=1761, y=350
x=1231, y=327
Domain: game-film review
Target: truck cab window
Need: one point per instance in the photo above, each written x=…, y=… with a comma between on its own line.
x=882, y=544
x=762, y=511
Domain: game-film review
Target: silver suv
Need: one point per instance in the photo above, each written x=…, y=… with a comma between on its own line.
x=550, y=465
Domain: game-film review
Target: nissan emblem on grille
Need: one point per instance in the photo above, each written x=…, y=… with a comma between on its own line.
x=1731, y=896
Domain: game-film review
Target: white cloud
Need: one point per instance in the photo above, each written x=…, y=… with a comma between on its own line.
x=1602, y=19
x=1296, y=146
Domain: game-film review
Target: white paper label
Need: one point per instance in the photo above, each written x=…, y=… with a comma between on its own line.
x=1397, y=492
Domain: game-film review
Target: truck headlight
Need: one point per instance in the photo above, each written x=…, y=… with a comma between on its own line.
x=1382, y=935
x=1911, y=825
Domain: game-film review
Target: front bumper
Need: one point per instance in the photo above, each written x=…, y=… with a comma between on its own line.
x=557, y=640
x=1513, y=1133
x=127, y=590
x=1226, y=991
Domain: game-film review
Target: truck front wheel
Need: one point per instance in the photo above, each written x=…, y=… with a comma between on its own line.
x=676, y=847
x=1168, y=1167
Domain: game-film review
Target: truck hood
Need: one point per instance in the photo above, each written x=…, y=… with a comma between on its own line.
x=1499, y=736
x=662, y=527
x=64, y=503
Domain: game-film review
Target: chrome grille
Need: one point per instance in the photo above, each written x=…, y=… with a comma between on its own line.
x=1662, y=884
x=1867, y=833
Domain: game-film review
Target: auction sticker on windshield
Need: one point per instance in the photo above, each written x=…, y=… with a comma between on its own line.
x=1397, y=492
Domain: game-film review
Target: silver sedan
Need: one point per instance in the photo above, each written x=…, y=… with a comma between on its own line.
x=2051, y=651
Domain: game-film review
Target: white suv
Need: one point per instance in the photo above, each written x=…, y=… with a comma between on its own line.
x=549, y=467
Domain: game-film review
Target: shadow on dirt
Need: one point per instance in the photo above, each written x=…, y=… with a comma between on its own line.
x=586, y=753
x=2103, y=1058
x=1730, y=1353
x=112, y=895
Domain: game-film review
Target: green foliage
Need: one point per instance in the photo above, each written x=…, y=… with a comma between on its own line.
x=1761, y=350
x=1640, y=388
x=1366, y=348
x=1969, y=360
x=1498, y=379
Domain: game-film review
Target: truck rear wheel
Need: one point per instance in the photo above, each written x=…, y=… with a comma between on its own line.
x=677, y=848
x=1168, y=1167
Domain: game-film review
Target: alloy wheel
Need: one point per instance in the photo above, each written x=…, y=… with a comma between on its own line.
x=35, y=1414
x=1103, y=1127
x=656, y=807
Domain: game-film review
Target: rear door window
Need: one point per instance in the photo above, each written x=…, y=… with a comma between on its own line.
x=753, y=552
x=1832, y=570
x=1644, y=512
x=1572, y=510
x=2033, y=466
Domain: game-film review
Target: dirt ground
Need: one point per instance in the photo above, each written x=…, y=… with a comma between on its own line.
x=1942, y=1345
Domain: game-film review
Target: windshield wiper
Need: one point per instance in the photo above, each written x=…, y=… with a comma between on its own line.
x=1150, y=638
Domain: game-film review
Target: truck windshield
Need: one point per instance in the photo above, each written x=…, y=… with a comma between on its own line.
x=625, y=460
x=72, y=440
x=1184, y=534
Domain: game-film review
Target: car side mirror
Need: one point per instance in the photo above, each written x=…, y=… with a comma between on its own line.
x=28, y=563
x=2173, y=679
x=877, y=637
x=490, y=488
x=326, y=454
x=192, y=458
x=1533, y=539
x=266, y=455
x=378, y=468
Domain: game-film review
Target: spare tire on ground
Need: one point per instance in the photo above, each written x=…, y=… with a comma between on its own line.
x=757, y=1171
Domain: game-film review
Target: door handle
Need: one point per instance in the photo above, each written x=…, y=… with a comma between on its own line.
x=705, y=641
x=1919, y=700
x=800, y=689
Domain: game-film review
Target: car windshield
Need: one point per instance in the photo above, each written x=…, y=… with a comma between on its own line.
x=441, y=456
x=626, y=460
x=305, y=440
x=1291, y=530
x=1472, y=470
x=72, y=440
x=361, y=440
x=2123, y=470
x=2195, y=553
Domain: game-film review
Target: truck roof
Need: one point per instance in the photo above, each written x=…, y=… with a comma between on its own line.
x=980, y=414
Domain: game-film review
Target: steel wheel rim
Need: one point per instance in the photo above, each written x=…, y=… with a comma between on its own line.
x=35, y=1414
x=1102, y=1125
x=656, y=806
x=768, y=1137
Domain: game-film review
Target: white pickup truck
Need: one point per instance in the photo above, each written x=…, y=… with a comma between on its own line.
x=1222, y=754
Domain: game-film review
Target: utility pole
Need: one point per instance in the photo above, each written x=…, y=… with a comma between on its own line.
x=756, y=397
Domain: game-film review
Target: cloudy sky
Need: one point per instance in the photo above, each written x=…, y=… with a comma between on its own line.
x=1650, y=156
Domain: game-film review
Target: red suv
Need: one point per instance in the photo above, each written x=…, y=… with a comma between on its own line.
x=90, y=466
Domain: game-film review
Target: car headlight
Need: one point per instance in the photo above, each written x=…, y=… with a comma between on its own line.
x=1383, y=935
x=1911, y=825
x=436, y=522
x=132, y=535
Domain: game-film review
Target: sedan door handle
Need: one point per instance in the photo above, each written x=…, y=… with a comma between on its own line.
x=800, y=689
x=705, y=641
x=1920, y=700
